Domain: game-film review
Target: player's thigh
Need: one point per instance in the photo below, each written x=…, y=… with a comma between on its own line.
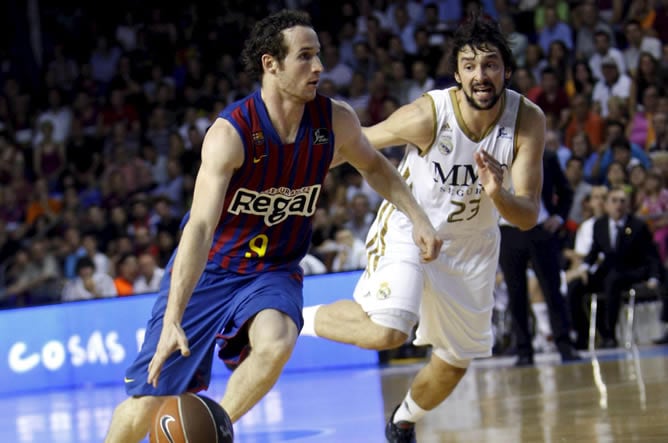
x=456, y=313
x=393, y=285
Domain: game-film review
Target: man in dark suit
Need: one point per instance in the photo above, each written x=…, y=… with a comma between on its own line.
x=542, y=247
x=622, y=254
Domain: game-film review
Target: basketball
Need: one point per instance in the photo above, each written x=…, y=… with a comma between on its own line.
x=191, y=418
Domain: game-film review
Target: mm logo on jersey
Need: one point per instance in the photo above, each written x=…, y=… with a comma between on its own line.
x=275, y=204
x=458, y=175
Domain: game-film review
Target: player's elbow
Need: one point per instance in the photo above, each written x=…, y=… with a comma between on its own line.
x=528, y=222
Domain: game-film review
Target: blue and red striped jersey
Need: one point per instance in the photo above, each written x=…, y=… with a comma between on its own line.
x=266, y=222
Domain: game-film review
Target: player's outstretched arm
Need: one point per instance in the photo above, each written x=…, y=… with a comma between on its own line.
x=382, y=176
x=413, y=123
x=222, y=153
x=520, y=207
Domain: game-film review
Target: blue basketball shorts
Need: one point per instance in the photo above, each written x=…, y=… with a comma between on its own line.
x=217, y=313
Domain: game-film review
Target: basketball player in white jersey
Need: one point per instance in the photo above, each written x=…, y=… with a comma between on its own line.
x=474, y=153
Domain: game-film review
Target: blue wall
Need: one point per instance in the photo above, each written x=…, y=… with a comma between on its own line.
x=92, y=342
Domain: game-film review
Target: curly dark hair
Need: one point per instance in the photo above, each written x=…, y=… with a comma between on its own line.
x=480, y=33
x=267, y=38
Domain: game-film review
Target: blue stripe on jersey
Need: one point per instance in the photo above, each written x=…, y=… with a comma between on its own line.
x=266, y=223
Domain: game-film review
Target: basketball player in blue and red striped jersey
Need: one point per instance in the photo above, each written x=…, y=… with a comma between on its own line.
x=235, y=279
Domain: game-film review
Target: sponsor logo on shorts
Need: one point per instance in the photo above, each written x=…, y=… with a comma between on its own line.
x=384, y=291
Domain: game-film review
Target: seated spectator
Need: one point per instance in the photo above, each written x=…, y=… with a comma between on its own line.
x=312, y=265
x=89, y=283
x=350, y=252
x=126, y=274
x=618, y=148
x=622, y=253
x=612, y=83
x=579, y=79
x=38, y=278
x=660, y=124
x=594, y=207
x=575, y=175
x=654, y=211
x=90, y=242
x=605, y=53
x=360, y=216
x=584, y=118
x=553, y=99
x=42, y=203
x=150, y=274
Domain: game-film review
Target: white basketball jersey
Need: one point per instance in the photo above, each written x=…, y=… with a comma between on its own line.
x=444, y=179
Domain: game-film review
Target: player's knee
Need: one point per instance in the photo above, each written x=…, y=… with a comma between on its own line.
x=447, y=368
x=393, y=327
x=275, y=351
x=388, y=338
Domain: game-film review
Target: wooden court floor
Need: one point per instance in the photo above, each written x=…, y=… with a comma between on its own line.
x=614, y=396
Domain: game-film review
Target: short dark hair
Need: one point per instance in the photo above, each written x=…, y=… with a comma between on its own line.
x=621, y=142
x=84, y=262
x=480, y=33
x=267, y=38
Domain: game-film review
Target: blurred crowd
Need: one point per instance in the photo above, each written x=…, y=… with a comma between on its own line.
x=103, y=111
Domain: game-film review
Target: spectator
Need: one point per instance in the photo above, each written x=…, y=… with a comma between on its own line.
x=360, y=216
x=552, y=98
x=660, y=125
x=555, y=29
x=629, y=256
x=350, y=252
x=125, y=273
x=586, y=22
x=48, y=156
x=654, y=211
x=612, y=83
x=640, y=129
x=579, y=79
x=584, y=119
x=58, y=113
x=575, y=175
x=40, y=278
x=149, y=274
x=89, y=242
x=605, y=51
x=638, y=41
x=334, y=68
x=422, y=82
x=518, y=41
x=42, y=203
x=312, y=265
x=89, y=283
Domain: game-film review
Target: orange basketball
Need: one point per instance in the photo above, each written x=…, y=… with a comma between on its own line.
x=191, y=418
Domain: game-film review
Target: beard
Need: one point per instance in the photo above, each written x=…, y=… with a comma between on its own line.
x=488, y=104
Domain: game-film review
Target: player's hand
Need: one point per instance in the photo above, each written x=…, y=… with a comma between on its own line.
x=426, y=237
x=172, y=339
x=490, y=172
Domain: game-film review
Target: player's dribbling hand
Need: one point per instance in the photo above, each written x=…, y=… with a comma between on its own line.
x=172, y=339
x=490, y=172
x=426, y=237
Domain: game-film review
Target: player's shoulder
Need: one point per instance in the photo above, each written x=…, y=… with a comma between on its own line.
x=531, y=116
x=343, y=115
